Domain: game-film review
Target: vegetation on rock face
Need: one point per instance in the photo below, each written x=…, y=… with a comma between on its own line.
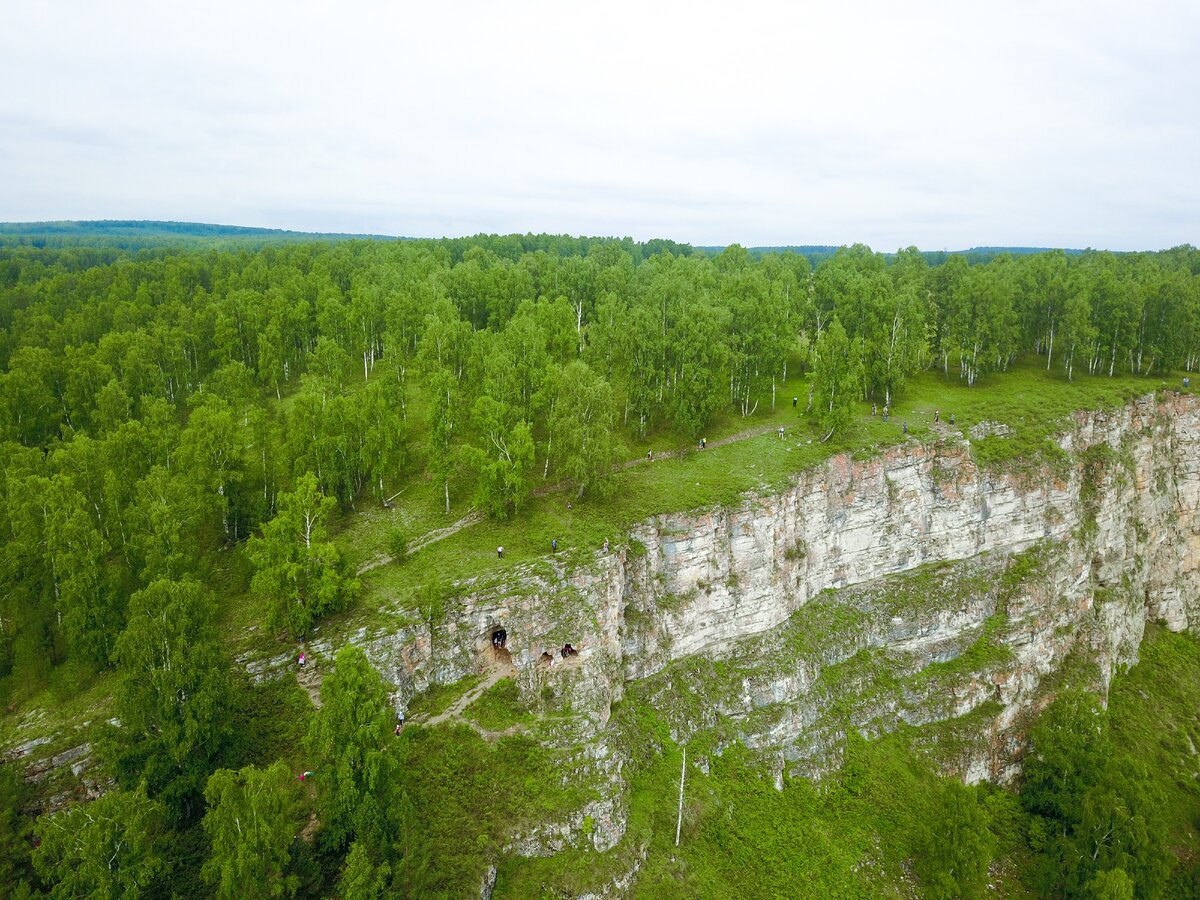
x=203, y=442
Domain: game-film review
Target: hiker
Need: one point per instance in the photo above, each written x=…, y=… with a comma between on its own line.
x=885, y=412
x=781, y=432
x=937, y=416
x=905, y=426
x=951, y=418
x=499, y=553
x=874, y=410
x=302, y=659
x=649, y=456
x=795, y=400
x=399, y=726
x=553, y=545
x=568, y=506
x=606, y=545
x=703, y=443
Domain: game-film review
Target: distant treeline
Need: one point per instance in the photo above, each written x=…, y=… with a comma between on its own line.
x=818, y=253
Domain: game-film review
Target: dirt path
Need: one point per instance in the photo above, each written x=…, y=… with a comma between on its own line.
x=311, y=682
x=430, y=537
x=455, y=710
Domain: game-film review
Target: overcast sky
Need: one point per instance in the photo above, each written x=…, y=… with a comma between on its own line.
x=941, y=124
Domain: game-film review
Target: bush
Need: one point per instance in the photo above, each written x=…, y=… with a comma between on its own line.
x=397, y=545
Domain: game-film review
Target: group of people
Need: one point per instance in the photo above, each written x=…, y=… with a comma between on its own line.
x=937, y=417
x=500, y=555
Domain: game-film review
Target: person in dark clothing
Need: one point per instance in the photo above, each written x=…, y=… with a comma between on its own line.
x=795, y=400
x=553, y=545
x=905, y=426
x=499, y=553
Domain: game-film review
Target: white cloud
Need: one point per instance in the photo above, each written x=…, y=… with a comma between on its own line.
x=939, y=124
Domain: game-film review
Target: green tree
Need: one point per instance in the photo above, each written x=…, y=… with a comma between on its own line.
x=957, y=846
x=173, y=700
x=251, y=823
x=90, y=611
x=362, y=878
x=1069, y=748
x=108, y=849
x=1113, y=884
x=836, y=378
x=582, y=427
x=503, y=459
x=298, y=572
x=347, y=739
x=15, y=831
x=443, y=416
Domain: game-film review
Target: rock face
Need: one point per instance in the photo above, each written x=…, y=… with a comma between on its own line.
x=914, y=588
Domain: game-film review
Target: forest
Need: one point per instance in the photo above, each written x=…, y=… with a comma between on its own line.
x=184, y=422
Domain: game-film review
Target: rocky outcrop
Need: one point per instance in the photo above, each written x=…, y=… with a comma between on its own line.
x=1121, y=503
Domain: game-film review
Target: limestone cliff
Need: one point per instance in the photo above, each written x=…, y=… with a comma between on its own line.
x=913, y=588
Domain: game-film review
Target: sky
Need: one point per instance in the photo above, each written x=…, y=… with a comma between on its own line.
x=936, y=124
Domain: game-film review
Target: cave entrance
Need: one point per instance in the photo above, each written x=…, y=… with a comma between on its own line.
x=568, y=651
x=500, y=653
x=546, y=659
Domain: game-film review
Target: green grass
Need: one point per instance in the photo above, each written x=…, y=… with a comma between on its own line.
x=499, y=707
x=464, y=798
x=439, y=697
